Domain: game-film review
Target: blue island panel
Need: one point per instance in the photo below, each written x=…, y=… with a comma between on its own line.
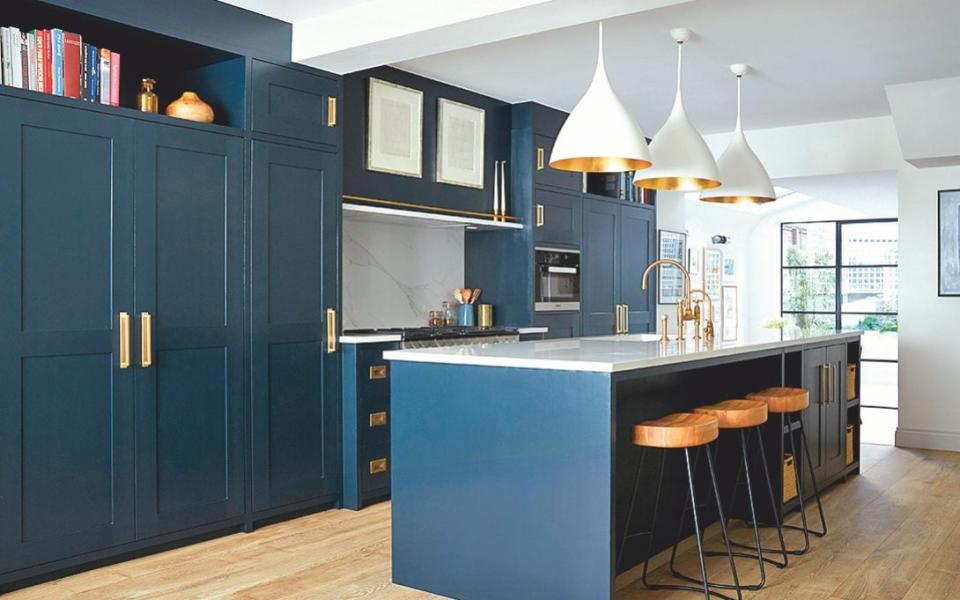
x=502, y=481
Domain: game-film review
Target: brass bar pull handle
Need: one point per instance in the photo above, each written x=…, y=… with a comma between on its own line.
x=332, y=111
x=626, y=318
x=833, y=383
x=331, y=331
x=124, y=340
x=146, y=340
x=823, y=384
x=617, y=327
x=539, y=159
x=539, y=215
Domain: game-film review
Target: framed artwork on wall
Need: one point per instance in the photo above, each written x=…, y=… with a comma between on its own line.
x=394, y=129
x=729, y=312
x=949, y=243
x=460, y=139
x=729, y=269
x=693, y=265
x=712, y=274
x=672, y=245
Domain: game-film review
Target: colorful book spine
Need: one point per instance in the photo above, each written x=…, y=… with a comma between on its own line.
x=48, y=61
x=85, y=72
x=41, y=79
x=32, y=60
x=94, y=59
x=5, y=76
x=72, y=49
x=15, y=58
x=58, y=62
x=114, y=79
x=104, y=76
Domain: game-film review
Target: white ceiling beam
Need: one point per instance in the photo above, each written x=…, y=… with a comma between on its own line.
x=379, y=32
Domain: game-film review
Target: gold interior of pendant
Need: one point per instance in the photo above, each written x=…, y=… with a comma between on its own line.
x=738, y=199
x=600, y=164
x=677, y=184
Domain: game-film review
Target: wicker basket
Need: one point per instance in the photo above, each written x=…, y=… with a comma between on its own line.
x=851, y=381
x=849, y=444
x=789, y=478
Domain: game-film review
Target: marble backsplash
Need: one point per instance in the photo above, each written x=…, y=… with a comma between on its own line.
x=393, y=275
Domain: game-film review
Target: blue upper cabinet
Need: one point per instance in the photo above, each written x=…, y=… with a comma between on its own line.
x=362, y=185
x=547, y=175
x=66, y=406
x=294, y=365
x=290, y=102
x=188, y=361
x=557, y=217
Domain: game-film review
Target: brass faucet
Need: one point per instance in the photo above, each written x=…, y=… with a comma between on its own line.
x=685, y=306
x=708, y=331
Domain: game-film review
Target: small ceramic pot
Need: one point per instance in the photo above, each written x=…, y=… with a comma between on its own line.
x=189, y=106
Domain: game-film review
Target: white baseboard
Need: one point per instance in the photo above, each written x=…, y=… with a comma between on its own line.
x=929, y=440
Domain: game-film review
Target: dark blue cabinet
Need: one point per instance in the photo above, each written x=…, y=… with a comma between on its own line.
x=66, y=406
x=544, y=174
x=557, y=217
x=189, y=284
x=294, y=367
x=561, y=324
x=289, y=102
x=617, y=247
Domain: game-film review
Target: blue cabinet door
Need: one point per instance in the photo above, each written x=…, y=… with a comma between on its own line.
x=189, y=279
x=289, y=102
x=294, y=378
x=557, y=218
x=66, y=412
x=637, y=248
x=560, y=324
x=599, y=279
x=544, y=174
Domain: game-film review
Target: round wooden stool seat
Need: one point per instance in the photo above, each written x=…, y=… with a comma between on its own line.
x=680, y=430
x=783, y=399
x=736, y=414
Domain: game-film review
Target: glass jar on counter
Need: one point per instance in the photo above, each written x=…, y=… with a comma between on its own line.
x=435, y=318
x=449, y=314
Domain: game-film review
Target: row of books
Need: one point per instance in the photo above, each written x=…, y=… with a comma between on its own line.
x=53, y=61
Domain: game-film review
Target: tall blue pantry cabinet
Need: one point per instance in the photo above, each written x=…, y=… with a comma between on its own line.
x=168, y=357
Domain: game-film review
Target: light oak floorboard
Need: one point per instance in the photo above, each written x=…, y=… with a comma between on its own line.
x=894, y=534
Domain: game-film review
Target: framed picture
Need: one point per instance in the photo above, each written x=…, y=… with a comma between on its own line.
x=394, y=129
x=949, y=243
x=693, y=264
x=712, y=274
x=460, y=144
x=729, y=311
x=729, y=269
x=673, y=245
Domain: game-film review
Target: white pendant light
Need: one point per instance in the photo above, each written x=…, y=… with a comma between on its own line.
x=681, y=159
x=745, y=181
x=600, y=136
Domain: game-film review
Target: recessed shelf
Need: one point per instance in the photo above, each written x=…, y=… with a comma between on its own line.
x=398, y=216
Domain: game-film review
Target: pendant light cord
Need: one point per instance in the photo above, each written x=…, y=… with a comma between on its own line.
x=679, y=65
x=739, y=81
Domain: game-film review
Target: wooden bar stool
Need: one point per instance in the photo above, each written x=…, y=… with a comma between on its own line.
x=791, y=402
x=674, y=432
x=744, y=416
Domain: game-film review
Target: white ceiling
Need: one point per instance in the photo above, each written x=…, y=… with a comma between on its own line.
x=293, y=10
x=814, y=60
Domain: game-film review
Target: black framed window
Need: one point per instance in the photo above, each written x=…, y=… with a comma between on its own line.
x=844, y=274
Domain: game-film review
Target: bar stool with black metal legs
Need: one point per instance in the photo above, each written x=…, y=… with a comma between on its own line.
x=791, y=402
x=744, y=417
x=681, y=431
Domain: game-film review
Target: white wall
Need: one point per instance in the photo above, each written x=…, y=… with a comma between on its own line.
x=393, y=275
x=929, y=325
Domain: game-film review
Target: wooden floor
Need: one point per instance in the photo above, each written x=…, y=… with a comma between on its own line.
x=894, y=533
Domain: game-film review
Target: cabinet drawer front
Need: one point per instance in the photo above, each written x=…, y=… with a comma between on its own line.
x=375, y=468
x=561, y=217
x=373, y=374
x=373, y=420
x=295, y=104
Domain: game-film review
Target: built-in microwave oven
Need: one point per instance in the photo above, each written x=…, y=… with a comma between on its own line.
x=558, y=279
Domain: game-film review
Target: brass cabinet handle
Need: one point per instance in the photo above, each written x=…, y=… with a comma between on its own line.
x=146, y=340
x=378, y=466
x=833, y=383
x=331, y=111
x=331, y=330
x=124, y=340
x=617, y=326
x=378, y=419
x=378, y=372
x=539, y=215
x=539, y=159
x=626, y=318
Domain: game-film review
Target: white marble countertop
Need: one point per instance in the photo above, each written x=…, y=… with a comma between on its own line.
x=608, y=354
x=369, y=338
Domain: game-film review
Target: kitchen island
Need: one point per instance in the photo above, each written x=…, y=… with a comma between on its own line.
x=513, y=465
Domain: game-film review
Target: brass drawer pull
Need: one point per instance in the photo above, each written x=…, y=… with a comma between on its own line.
x=378, y=372
x=124, y=340
x=146, y=340
x=378, y=419
x=539, y=222
x=539, y=159
x=378, y=466
x=331, y=331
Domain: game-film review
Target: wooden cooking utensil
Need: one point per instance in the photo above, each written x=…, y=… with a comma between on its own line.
x=475, y=295
x=456, y=295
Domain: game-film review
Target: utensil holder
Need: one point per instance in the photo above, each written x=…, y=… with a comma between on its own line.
x=485, y=315
x=466, y=315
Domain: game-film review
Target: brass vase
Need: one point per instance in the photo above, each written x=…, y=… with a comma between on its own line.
x=189, y=106
x=147, y=99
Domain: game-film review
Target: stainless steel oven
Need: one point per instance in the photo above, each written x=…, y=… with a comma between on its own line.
x=558, y=279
